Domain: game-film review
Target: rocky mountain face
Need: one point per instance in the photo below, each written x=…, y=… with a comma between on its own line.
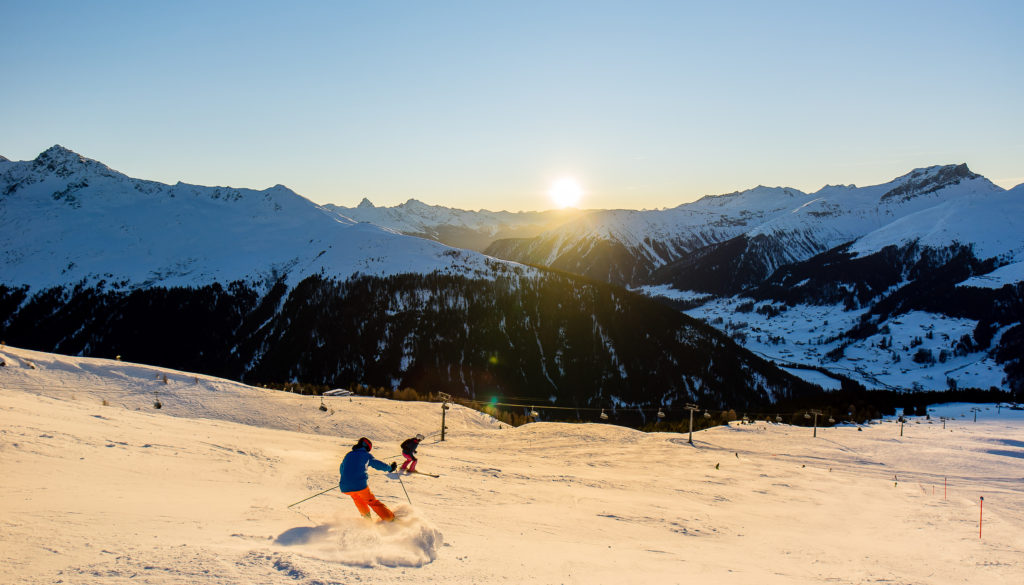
x=266, y=286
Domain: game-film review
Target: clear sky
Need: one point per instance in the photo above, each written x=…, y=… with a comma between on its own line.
x=486, y=103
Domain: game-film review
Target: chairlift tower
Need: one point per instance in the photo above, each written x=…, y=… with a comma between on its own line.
x=816, y=414
x=692, y=408
x=445, y=399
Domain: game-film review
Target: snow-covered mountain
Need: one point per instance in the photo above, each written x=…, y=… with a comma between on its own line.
x=66, y=219
x=940, y=243
x=624, y=246
x=267, y=286
x=931, y=299
x=474, y=230
x=724, y=243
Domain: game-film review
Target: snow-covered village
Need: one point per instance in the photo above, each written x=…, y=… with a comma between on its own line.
x=554, y=292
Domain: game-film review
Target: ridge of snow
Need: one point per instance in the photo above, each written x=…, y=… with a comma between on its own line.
x=991, y=222
x=65, y=219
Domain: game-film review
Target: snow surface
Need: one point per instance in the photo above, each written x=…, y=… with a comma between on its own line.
x=998, y=278
x=816, y=377
x=802, y=225
x=416, y=217
x=806, y=334
x=992, y=222
x=100, y=487
x=69, y=219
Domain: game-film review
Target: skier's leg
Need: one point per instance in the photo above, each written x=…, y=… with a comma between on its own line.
x=379, y=507
x=360, y=500
x=412, y=467
x=408, y=459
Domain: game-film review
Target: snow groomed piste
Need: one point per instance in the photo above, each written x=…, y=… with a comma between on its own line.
x=99, y=486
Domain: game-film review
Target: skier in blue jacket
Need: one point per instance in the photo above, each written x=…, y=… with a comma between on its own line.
x=354, y=479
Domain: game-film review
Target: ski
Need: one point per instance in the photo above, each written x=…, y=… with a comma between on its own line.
x=422, y=473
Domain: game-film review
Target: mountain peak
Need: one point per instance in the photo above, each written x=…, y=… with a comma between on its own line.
x=279, y=188
x=928, y=180
x=414, y=203
x=4, y=158
x=59, y=153
x=365, y=204
x=64, y=161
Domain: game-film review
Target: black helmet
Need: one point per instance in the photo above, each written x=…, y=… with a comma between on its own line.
x=364, y=443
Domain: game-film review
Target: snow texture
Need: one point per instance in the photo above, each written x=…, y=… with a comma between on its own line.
x=807, y=334
x=66, y=219
x=98, y=486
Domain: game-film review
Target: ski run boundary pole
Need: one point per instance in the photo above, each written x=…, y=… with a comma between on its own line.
x=981, y=513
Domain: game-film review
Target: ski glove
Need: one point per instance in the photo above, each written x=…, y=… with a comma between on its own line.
x=394, y=466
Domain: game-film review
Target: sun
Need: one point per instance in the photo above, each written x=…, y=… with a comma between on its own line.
x=565, y=192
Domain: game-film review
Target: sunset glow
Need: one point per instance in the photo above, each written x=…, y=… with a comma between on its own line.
x=565, y=192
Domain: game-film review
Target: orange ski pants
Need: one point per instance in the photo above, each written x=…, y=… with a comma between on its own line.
x=365, y=500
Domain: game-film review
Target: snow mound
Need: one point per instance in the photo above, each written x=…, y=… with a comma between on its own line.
x=410, y=541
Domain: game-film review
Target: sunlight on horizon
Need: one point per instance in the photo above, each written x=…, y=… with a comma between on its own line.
x=565, y=192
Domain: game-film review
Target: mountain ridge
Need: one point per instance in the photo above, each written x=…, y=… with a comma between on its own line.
x=67, y=211
x=267, y=286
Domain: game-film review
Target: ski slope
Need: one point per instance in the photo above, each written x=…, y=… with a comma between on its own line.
x=98, y=486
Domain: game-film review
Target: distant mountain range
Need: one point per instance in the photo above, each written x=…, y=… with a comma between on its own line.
x=942, y=247
x=914, y=284
x=474, y=230
x=266, y=286
x=68, y=219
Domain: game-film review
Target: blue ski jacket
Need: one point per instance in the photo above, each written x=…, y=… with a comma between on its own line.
x=353, y=469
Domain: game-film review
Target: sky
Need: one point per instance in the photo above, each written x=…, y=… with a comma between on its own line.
x=487, y=104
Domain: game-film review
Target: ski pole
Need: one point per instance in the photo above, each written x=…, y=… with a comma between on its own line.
x=313, y=496
x=404, y=490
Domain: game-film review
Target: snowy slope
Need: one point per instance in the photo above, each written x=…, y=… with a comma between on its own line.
x=991, y=222
x=414, y=216
x=456, y=227
x=65, y=219
x=808, y=334
x=198, y=492
x=924, y=334
x=781, y=225
x=660, y=236
x=848, y=212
